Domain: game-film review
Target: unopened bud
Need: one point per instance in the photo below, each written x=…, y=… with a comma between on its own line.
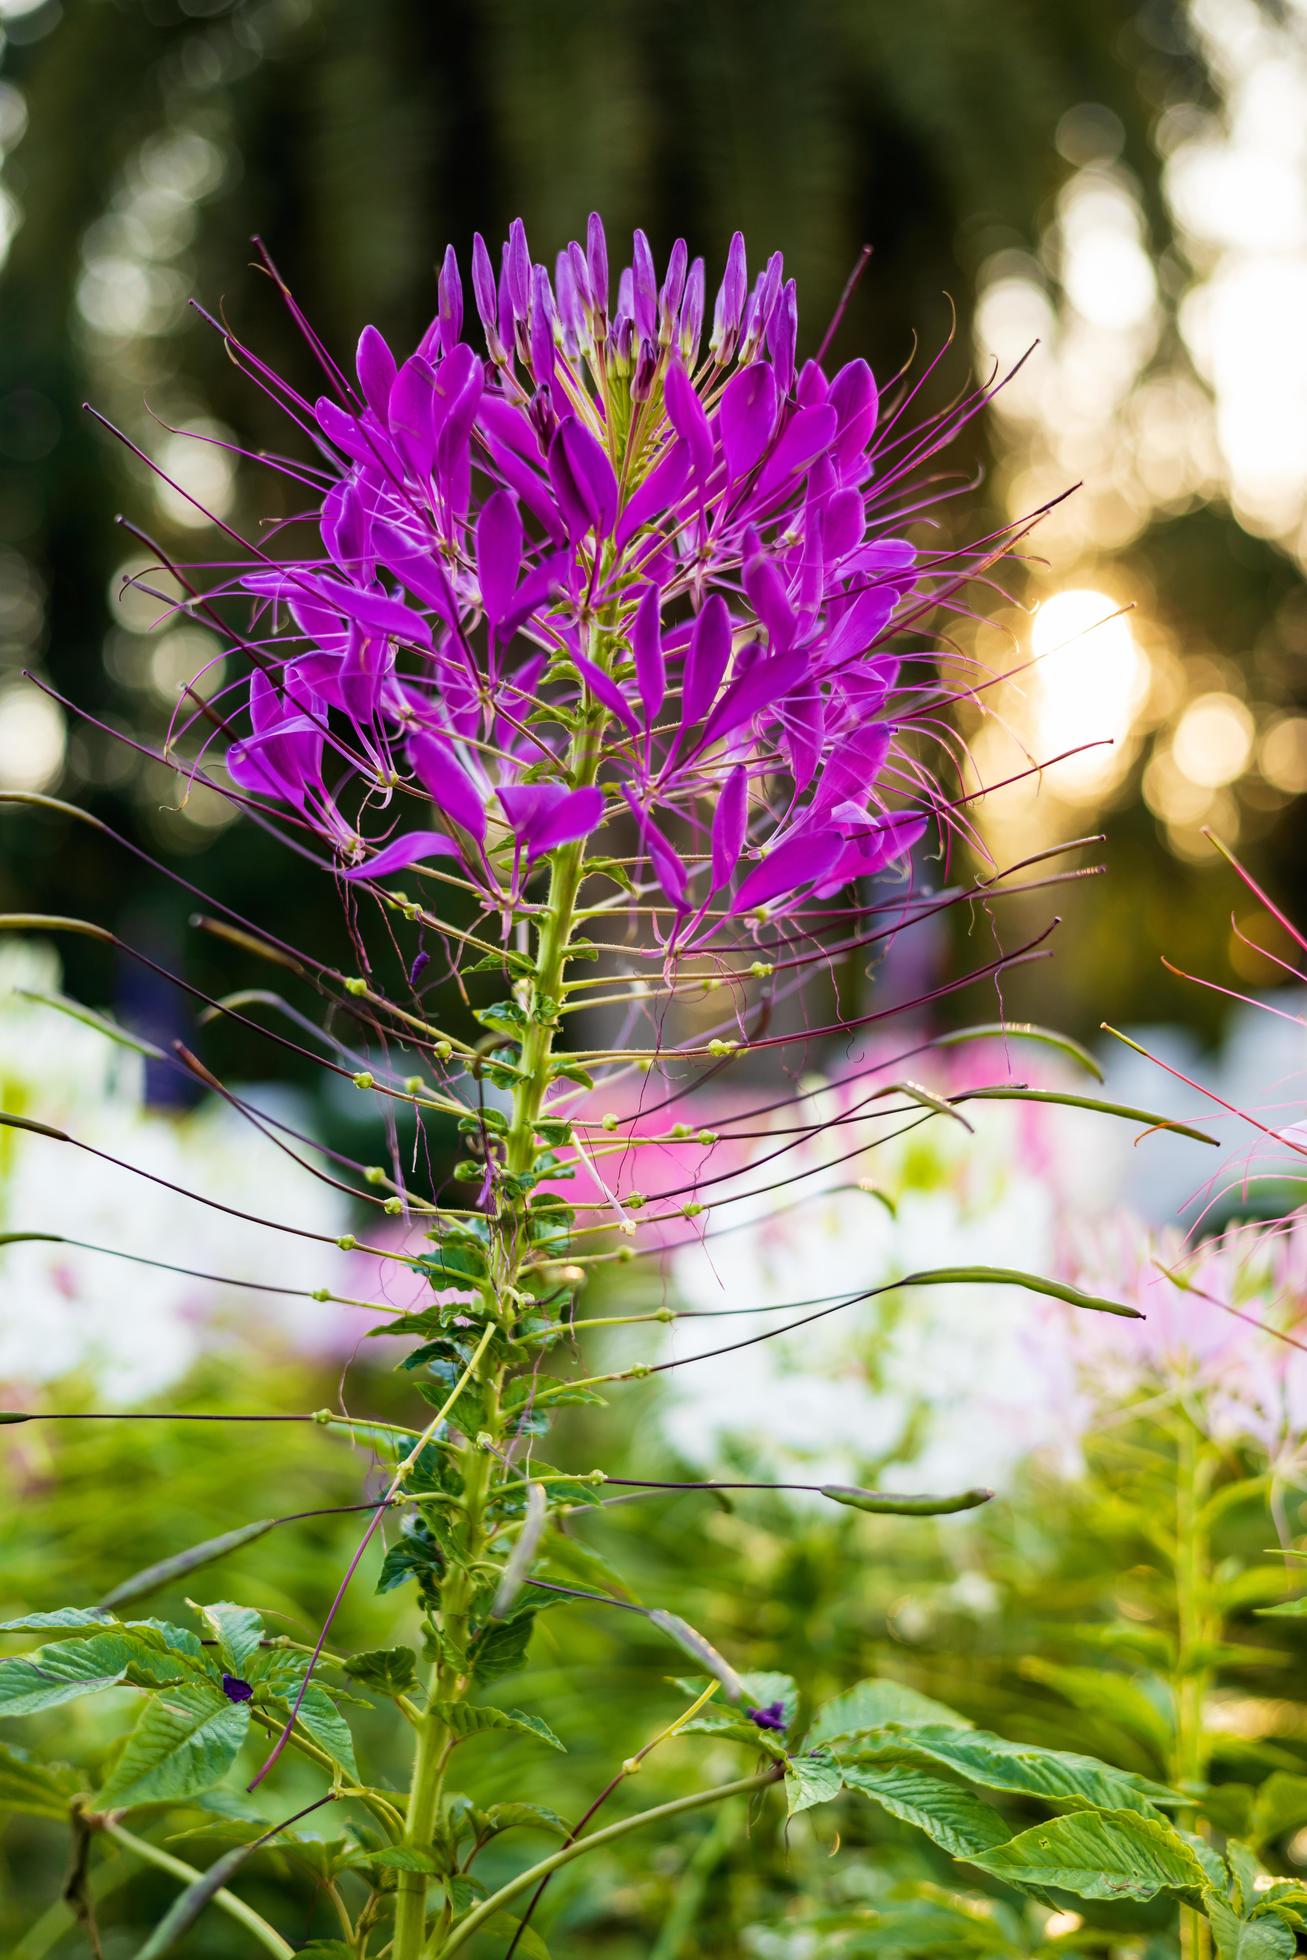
x=364, y=1079
x=356, y=986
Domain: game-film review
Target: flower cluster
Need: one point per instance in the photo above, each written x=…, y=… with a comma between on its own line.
x=602, y=569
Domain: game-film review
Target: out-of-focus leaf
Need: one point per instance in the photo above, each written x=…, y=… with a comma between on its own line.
x=36, y=1789
x=1057, y=1775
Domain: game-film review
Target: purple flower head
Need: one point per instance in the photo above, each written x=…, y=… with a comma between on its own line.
x=577, y=577
x=771, y=1717
x=235, y=1689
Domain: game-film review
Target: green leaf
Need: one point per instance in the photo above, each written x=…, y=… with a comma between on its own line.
x=1267, y=1938
x=396, y=1858
x=525, y=1817
x=386, y=1670
x=1108, y=1696
x=36, y=1789
x=186, y=1740
x=501, y=1649
x=326, y=1950
x=873, y=1705
x=52, y=1675
x=239, y=1630
x=463, y=1720
x=949, y=1815
x=323, y=1722
x=1280, y=1806
x=503, y=1928
x=151, y=1577
x=1056, y=1775
x=1289, y=1609
x=1099, y=1854
x=811, y=1779
x=60, y=1617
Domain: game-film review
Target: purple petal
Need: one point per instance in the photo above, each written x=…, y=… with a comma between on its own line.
x=751, y=693
x=705, y=664
x=596, y=253
x=605, y=689
x=452, y=792
x=647, y=645
x=854, y=398
x=376, y=371
x=579, y=812
x=449, y=300
x=686, y=414
x=344, y=431
x=748, y=416
x=419, y=568
x=783, y=334
x=645, y=288
x=374, y=611
x=413, y=848
x=498, y=553
x=798, y=861
x=411, y=415
x=668, y=867
x=583, y=479
x=844, y=522
x=766, y=594
x=519, y=268
x=808, y=433
x=660, y=492
x=728, y=826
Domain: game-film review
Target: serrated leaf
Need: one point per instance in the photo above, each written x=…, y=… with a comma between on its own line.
x=525, y=1817
x=1266, y=1938
x=1056, y=1775
x=59, y=1617
x=35, y=1789
x=239, y=1629
x=396, y=1858
x=501, y=1648
x=873, y=1705
x=181, y=1564
x=950, y=1816
x=1099, y=1854
x=385, y=1670
x=186, y=1740
x=59, y=1673
x=811, y=1779
x=463, y=1720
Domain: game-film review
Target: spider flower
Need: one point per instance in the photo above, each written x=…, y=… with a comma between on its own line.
x=691, y=554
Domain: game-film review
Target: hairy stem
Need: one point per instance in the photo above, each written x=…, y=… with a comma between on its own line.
x=1195, y=1633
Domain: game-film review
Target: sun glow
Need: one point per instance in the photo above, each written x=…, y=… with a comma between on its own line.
x=1089, y=681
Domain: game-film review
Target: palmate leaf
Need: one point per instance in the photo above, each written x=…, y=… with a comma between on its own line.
x=464, y=1720
x=950, y=1816
x=35, y=1789
x=185, y=1741
x=811, y=1779
x=1022, y=1769
x=1100, y=1854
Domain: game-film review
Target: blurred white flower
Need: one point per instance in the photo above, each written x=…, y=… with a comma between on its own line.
x=132, y=1330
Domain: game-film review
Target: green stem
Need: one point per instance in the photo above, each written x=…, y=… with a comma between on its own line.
x=450, y=1676
x=235, y=1908
x=1195, y=1632
x=743, y=1786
